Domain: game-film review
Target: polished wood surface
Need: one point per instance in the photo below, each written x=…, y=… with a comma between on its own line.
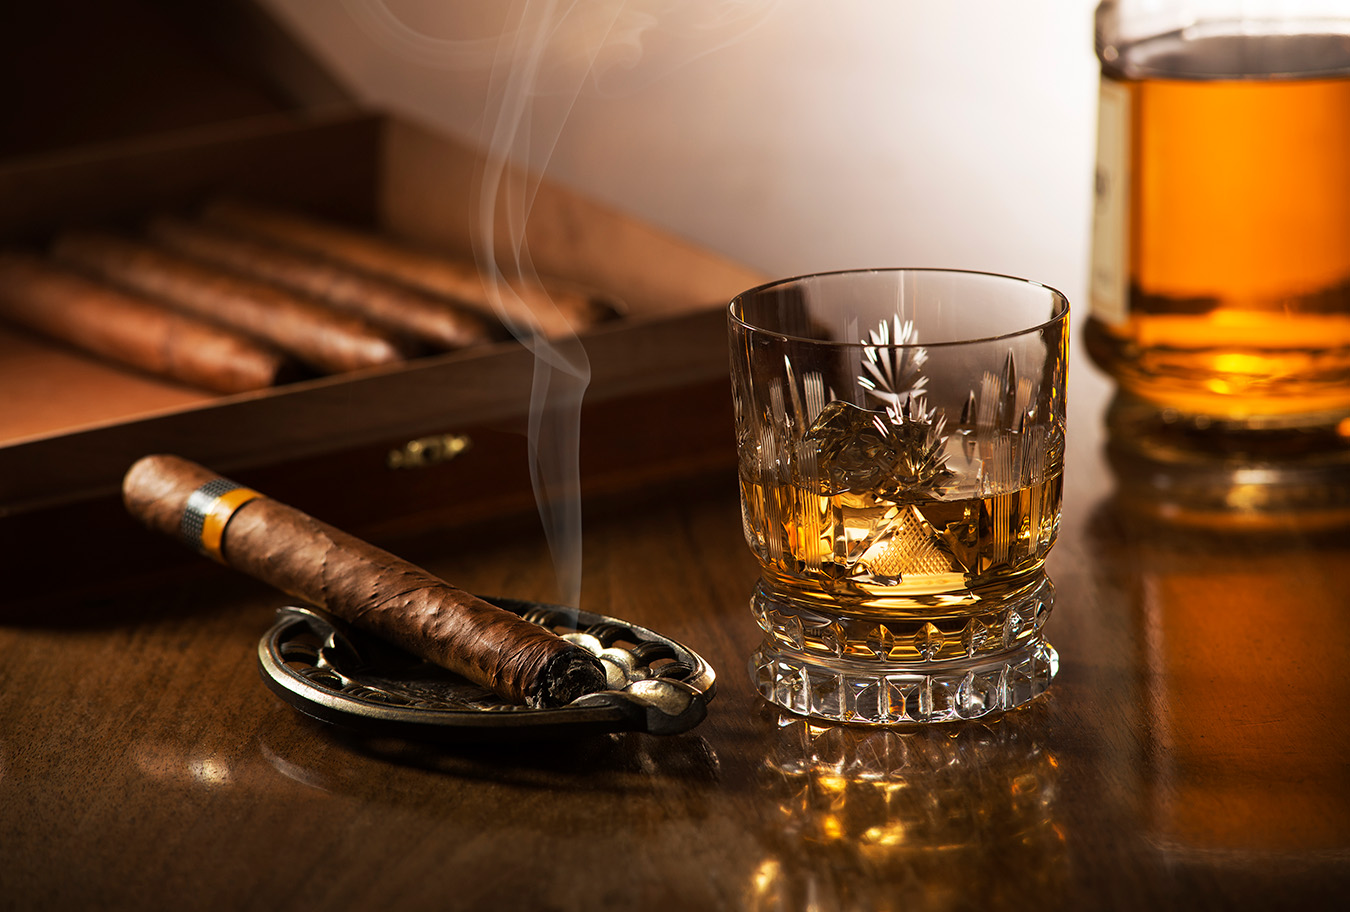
x=1193, y=753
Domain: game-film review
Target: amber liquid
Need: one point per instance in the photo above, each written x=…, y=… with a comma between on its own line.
x=1238, y=236
x=896, y=558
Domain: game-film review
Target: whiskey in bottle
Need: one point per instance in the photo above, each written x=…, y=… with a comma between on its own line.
x=1221, y=251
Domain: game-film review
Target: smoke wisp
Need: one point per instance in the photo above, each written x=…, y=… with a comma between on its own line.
x=531, y=60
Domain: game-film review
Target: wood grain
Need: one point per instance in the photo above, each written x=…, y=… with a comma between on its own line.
x=1190, y=755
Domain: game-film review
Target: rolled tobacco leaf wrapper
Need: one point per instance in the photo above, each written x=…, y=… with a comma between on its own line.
x=528, y=306
x=64, y=305
x=362, y=584
x=328, y=341
x=438, y=322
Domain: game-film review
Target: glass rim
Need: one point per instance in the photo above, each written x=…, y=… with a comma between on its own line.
x=1060, y=313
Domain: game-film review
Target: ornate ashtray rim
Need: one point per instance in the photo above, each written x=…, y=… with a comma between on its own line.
x=343, y=687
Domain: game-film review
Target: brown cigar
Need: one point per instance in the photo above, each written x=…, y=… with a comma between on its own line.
x=56, y=302
x=401, y=309
x=328, y=341
x=359, y=583
x=528, y=307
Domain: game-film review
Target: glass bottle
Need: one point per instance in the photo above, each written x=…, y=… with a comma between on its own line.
x=1220, y=284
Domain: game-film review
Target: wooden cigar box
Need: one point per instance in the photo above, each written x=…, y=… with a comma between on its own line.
x=241, y=110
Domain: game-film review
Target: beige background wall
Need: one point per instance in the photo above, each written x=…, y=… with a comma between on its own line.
x=795, y=136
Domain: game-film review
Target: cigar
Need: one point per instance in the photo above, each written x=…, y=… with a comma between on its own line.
x=130, y=330
x=359, y=583
x=438, y=322
x=327, y=341
x=528, y=306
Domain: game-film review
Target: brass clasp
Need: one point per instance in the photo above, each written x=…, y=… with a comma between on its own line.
x=428, y=451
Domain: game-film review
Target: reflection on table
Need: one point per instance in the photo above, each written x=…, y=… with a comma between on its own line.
x=936, y=818
x=1241, y=618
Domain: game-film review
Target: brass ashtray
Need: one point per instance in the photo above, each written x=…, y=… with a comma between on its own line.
x=356, y=681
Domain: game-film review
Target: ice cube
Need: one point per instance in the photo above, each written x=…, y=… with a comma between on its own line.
x=854, y=453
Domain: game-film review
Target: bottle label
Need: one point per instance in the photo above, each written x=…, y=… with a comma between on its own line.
x=1110, y=212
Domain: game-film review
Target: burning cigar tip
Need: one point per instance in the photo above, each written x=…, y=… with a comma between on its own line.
x=569, y=675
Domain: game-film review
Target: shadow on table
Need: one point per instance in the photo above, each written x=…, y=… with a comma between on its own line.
x=335, y=760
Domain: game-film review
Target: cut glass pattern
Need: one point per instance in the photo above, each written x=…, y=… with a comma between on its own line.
x=882, y=492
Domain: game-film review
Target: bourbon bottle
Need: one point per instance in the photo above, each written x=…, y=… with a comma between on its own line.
x=1220, y=284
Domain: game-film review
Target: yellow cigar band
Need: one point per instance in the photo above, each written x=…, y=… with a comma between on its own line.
x=209, y=510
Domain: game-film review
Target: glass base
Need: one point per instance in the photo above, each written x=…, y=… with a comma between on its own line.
x=867, y=669
x=1228, y=474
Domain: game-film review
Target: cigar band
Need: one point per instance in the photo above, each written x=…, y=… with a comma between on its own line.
x=208, y=511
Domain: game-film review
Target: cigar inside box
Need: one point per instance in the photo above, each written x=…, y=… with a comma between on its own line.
x=299, y=298
x=227, y=258
x=246, y=296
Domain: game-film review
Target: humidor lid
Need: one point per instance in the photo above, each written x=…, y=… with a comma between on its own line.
x=86, y=73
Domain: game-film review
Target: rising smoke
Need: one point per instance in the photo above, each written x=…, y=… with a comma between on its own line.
x=532, y=60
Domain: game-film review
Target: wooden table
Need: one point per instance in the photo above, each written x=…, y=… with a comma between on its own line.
x=1193, y=752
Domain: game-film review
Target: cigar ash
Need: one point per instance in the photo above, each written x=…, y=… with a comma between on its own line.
x=358, y=682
